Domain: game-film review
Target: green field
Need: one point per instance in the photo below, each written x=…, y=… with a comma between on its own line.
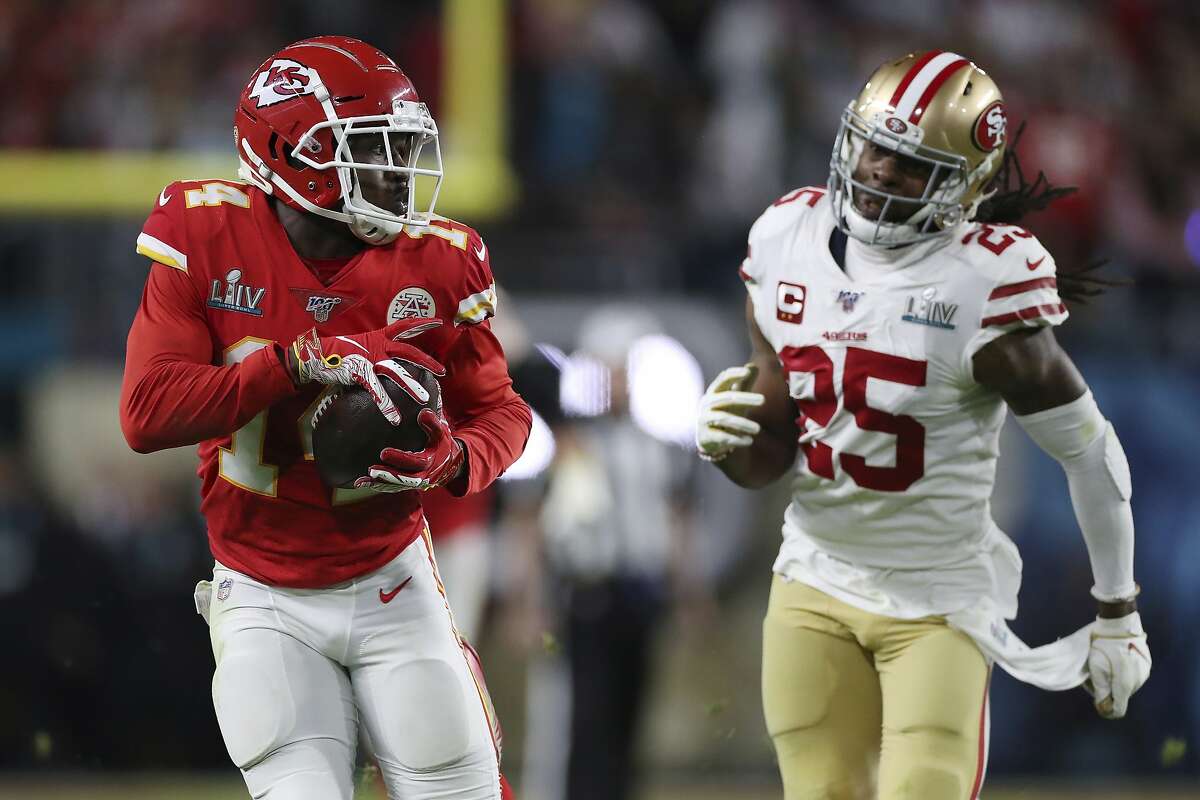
x=190, y=787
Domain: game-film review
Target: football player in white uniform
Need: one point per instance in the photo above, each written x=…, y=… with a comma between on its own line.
x=901, y=311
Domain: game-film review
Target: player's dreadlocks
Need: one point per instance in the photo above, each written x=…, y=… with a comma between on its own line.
x=1011, y=203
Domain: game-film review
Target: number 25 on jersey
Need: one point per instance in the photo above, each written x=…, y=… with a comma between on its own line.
x=821, y=404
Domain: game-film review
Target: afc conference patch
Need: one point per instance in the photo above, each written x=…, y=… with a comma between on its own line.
x=225, y=587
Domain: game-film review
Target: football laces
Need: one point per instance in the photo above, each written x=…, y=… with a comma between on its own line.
x=324, y=405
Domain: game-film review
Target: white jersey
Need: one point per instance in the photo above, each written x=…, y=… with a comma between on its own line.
x=890, y=506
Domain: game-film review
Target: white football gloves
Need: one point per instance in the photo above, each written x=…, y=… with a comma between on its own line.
x=722, y=426
x=1118, y=663
x=351, y=360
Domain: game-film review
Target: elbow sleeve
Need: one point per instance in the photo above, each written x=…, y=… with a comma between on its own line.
x=1079, y=437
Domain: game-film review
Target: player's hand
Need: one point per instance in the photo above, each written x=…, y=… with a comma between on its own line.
x=402, y=470
x=351, y=360
x=723, y=425
x=1118, y=663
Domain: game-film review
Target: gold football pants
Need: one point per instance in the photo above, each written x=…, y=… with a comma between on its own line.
x=862, y=706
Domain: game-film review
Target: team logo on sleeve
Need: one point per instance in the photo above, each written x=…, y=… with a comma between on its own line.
x=411, y=302
x=233, y=295
x=283, y=80
x=789, y=302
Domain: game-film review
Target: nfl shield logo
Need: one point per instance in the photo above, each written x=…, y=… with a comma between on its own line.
x=224, y=588
x=848, y=299
x=321, y=307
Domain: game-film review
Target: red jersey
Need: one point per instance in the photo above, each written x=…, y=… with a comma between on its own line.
x=225, y=294
x=449, y=516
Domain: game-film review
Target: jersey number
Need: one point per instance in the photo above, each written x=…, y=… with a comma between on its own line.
x=214, y=194
x=813, y=195
x=242, y=462
x=820, y=407
x=440, y=228
x=989, y=241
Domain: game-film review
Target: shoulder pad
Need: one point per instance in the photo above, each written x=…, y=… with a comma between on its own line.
x=1005, y=252
x=472, y=286
x=1021, y=275
x=787, y=209
x=172, y=222
x=779, y=217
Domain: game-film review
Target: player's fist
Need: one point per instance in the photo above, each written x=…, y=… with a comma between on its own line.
x=351, y=360
x=402, y=470
x=1118, y=663
x=723, y=426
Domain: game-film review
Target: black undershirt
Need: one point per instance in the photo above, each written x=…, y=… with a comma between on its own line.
x=837, y=247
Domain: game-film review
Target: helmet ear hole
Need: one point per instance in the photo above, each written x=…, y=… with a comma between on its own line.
x=294, y=163
x=274, y=149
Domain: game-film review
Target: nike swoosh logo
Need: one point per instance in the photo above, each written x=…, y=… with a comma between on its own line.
x=386, y=597
x=163, y=197
x=1034, y=264
x=481, y=253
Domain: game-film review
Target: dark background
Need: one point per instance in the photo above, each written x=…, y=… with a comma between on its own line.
x=645, y=138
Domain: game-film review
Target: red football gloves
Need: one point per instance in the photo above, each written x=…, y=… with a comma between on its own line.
x=351, y=360
x=401, y=470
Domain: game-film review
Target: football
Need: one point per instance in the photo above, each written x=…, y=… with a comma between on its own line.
x=349, y=430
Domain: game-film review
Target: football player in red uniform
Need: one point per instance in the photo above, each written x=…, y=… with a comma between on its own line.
x=325, y=607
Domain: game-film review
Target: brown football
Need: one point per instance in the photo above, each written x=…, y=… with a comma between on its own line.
x=349, y=430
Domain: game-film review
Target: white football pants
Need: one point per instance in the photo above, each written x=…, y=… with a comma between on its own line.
x=463, y=560
x=297, y=669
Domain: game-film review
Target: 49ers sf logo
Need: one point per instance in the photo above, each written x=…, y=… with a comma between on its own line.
x=283, y=80
x=990, y=127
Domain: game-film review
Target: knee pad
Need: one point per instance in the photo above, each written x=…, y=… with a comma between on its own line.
x=254, y=706
x=930, y=763
x=930, y=782
x=425, y=722
x=313, y=769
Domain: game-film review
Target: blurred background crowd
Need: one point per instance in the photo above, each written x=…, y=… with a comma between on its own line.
x=644, y=138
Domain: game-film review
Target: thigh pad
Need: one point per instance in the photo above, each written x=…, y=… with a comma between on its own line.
x=419, y=716
x=252, y=698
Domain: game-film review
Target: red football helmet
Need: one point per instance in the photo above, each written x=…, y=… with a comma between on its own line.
x=297, y=117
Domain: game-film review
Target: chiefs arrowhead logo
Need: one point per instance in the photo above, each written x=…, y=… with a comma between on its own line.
x=283, y=80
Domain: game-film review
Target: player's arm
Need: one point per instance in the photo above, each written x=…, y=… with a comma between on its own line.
x=489, y=418
x=485, y=423
x=479, y=434
x=1040, y=383
x=172, y=394
x=747, y=423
